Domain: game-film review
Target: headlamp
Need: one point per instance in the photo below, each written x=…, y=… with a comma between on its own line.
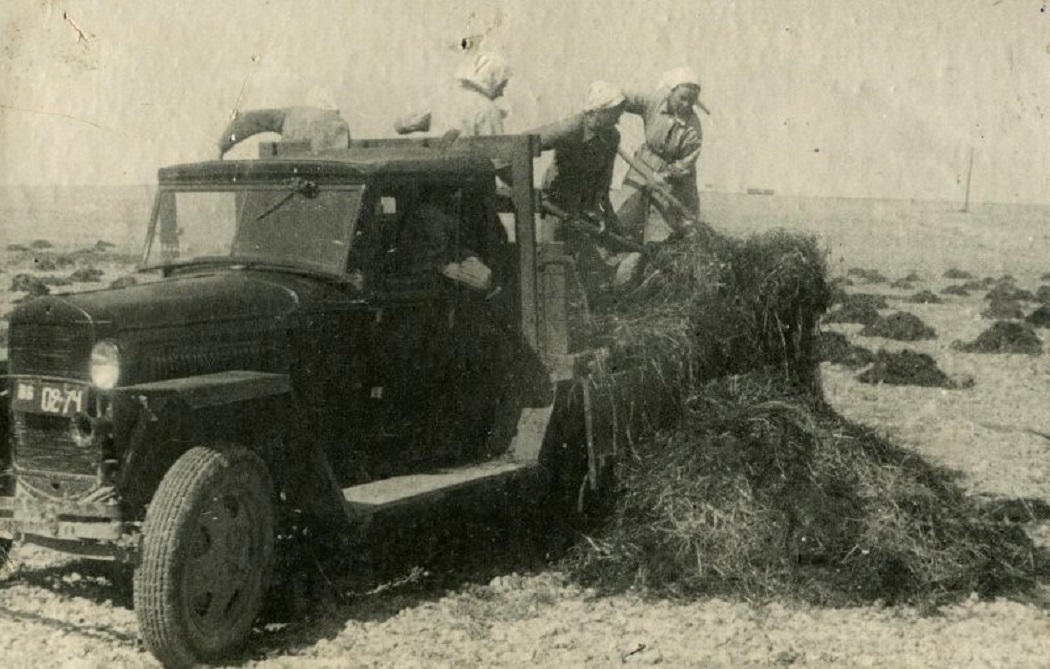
x=105, y=365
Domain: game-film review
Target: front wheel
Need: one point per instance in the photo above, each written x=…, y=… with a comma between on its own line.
x=207, y=555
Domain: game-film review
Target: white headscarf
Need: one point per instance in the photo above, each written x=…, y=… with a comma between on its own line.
x=603, y=95
x=679, y=76
x=487, y=72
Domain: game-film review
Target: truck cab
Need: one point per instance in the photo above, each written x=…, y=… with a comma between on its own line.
x=326, y=333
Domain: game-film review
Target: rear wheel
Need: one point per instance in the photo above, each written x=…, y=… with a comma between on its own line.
x=207, y=555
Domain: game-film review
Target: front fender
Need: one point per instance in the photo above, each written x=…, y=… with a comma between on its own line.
x=211, y=390
x=156, y=422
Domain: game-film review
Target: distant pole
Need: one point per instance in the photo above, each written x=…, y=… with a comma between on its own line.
x=969, y=175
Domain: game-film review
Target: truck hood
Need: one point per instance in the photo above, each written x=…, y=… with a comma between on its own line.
x=223, y=295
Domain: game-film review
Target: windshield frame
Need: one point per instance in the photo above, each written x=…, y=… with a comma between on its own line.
x=349, y=227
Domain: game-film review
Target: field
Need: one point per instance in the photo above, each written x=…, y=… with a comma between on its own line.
x=993, y=433
x=518, y=610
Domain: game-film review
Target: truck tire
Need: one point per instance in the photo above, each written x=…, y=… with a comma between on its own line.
x=207, y=555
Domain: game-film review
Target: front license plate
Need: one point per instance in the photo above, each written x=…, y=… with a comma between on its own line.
x=52, y=398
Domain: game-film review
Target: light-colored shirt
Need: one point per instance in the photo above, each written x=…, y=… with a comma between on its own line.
x=466, y=109
x=472, y=113
x=671, y=142
x=323, y=128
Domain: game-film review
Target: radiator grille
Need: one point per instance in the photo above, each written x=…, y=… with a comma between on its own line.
x=60, y=349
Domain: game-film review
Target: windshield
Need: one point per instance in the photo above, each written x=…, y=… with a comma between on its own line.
x=297, y=224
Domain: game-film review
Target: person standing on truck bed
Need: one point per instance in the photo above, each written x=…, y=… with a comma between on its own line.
x=673, y=137
x=578, y=180
x=470, y=110
x=576, y=185
x=316, y=122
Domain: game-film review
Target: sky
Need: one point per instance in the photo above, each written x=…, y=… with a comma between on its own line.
x=834, y=98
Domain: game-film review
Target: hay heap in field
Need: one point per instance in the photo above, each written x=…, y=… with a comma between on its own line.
x=925, y=297
x=860, y=308
x=836, y=349
x=1042, y=294
x=901, y=326
x=1004, y=337
x=761, y=491
x=1003, y=309
x=1039, y=318
x=756, y=487
x=1006, y=291
x=905, y=368
x=715, y=306
x=869, y=275
x=862, y=300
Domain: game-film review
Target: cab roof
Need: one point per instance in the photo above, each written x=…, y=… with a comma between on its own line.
x=328, y=168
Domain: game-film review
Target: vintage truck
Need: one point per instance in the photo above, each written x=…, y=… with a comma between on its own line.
x=299, y=352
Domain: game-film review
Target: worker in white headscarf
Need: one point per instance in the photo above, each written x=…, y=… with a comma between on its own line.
x=584, y=145
x=576, y=186
x=673, y=137
x=471, y=109
x=317, y=122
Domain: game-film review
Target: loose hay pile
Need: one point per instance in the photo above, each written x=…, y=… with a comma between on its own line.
x=27, y=283
x=1006, y=291
x=905, y=368
x=836, y=349
x=925, y=297
x=869, y=275
x=759, y=488
x=1039, y=318
x=761, y=491
x=717, y=306
x=853, y=312
x=866, y=300
x=1004, y=337
x=1004, y=309
x=857, y=308
x=901, y=326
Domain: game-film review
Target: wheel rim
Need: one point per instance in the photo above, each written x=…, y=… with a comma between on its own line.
x=224, y=563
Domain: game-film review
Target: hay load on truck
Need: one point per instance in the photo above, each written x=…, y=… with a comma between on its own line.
x=333, y=334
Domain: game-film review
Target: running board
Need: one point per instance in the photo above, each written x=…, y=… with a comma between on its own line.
x=366, y=500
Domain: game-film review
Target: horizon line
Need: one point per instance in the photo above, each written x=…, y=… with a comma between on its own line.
x=713, y=191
